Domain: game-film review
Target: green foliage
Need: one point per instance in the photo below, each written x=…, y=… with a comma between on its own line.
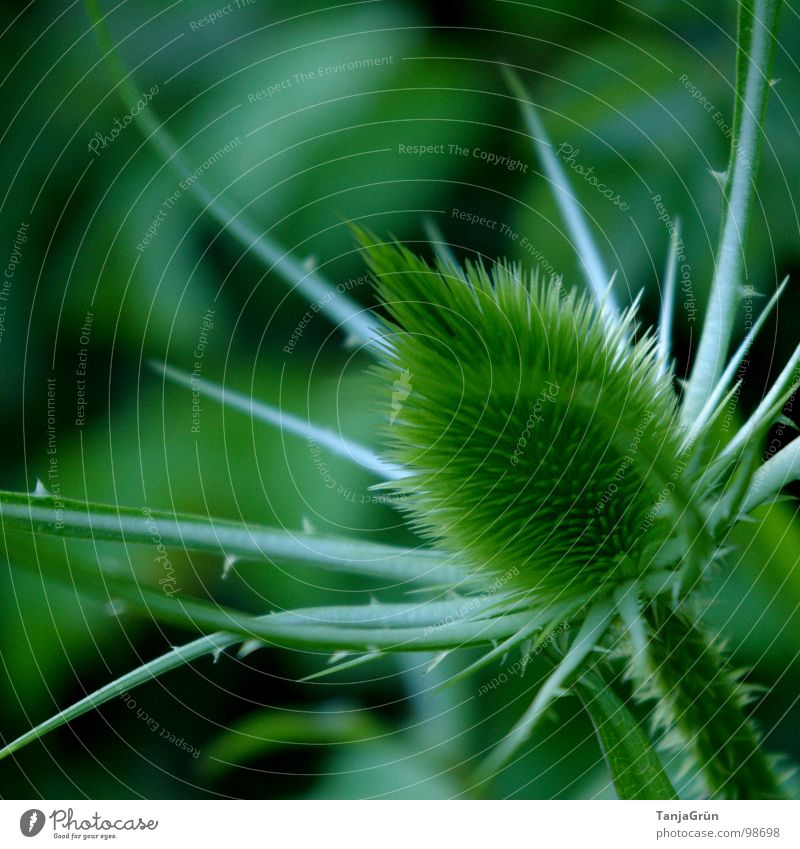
x=541, y=450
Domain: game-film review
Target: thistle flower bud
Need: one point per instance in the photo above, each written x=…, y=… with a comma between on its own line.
x=533, y=427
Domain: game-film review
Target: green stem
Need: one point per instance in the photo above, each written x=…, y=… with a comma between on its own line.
x=635, y=768
x=701, y=700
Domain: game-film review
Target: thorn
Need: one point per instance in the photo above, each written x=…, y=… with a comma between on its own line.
x=228, y=564
x=420, y=590
x=40, y=490
x=216, y=653
x=310, y=263
x=351, y=341
x=720, y=176
x=307, y=526
x=773, y=82
x=436, y=661
x=526, y=656
x=338, y=655
x=786, y=421
x=116, y=607
x=247, y=648
x=112, y=565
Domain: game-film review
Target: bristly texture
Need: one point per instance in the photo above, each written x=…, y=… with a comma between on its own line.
x=536, y=431
x=543, y=442
x=700, y=704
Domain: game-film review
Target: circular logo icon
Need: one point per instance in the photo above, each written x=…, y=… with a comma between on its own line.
x=31, y=822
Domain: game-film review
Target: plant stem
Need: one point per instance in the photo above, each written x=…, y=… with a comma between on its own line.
x=702, y=701
x=635, y=768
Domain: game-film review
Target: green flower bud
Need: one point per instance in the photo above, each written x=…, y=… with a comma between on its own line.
x=536, y=429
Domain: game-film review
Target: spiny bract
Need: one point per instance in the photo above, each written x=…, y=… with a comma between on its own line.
x=538, y=435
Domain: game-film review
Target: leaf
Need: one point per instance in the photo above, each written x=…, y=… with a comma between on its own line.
x=362, y=628
x=285, y=422
x=344, y=627
x=542, y=624
x=728, y=504
x=440, y=245
x=757, y=32
x=782, y=468
x=356, y=321
x=352, y=663
x=80, y=520
x=635, y=767
x=264, y=732
x=767, y=411
x=596, y=622
x=585, y=246
x=668, y=300
x=713, y=404
x=173, y=659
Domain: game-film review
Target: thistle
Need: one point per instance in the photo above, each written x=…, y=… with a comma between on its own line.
x=548, y=464
x=544, y=448
x=534, y=431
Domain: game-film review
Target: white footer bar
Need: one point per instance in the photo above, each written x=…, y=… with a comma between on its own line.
x=400, y=825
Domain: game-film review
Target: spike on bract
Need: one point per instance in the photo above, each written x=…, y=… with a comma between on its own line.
x=538, y=434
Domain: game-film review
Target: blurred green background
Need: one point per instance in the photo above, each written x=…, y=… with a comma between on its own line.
x=614, y=81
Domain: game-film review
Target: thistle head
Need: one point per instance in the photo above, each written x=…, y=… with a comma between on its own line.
x=536, y=430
